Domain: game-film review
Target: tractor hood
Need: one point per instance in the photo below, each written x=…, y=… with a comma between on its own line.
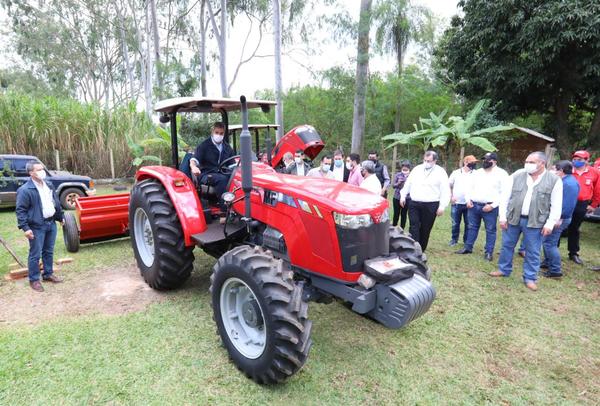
x=325, y=193
x=303, y=137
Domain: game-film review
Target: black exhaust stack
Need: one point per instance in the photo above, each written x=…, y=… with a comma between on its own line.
x=268, y=144
x=246, y=157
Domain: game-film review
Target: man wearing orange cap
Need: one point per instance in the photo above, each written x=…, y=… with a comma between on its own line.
x=587, y=201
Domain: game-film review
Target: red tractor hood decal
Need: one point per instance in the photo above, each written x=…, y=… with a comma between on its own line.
x=325, y=193
x=303, y=137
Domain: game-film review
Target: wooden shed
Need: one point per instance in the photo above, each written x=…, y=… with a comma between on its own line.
x=521, y=142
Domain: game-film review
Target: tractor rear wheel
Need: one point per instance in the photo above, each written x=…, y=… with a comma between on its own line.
x=260, y=314
x=157, y=238
x=409, y=250
x=71, y=232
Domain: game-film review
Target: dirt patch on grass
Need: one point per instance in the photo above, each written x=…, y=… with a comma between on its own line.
x=99, y=291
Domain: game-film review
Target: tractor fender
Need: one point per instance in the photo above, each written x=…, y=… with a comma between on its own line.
x=183, y=194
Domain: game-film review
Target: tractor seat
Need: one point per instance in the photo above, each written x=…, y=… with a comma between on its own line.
x=207, y=192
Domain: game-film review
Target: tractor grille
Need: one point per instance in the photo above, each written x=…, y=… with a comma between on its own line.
x=356, y=246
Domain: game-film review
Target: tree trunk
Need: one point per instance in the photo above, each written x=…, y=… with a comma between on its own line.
x=462, y=156
x=203, y=48
x=594, y=132
x=278, y=81
x=156, y=39
x=125, y=50
x=362, y=70
x=562, y=123
x=148, y=68
x=221, y=36
x=399, y=61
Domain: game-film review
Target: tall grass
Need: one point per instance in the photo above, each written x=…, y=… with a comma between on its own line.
x=82, y=133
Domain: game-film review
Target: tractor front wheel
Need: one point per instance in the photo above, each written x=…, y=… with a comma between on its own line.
x=157, y=237
x=260, y=314
x=409, y=250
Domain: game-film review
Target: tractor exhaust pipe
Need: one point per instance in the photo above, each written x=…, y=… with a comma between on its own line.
x=246, y=153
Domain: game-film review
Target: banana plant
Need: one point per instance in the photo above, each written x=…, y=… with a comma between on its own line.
x=150, y=149
x=426, y=135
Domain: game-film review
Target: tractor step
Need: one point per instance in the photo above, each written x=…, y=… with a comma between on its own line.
x=215, y=232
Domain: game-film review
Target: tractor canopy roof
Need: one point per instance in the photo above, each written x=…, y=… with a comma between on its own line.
x=208, y=105
x=237, y=127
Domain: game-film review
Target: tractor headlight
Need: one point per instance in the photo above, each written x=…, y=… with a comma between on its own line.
x=353, y=221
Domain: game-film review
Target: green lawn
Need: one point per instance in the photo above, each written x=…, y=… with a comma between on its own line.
x=484, y=341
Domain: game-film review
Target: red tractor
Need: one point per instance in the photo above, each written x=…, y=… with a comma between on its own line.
x=285, y=241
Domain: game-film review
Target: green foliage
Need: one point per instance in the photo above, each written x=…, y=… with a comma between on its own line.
x=529, y=56
x=82, y=133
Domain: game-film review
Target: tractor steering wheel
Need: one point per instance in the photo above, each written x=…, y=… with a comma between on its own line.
x=226, y=167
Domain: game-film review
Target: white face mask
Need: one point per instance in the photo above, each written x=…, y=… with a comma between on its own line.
x=530, y=168
x=428, y=165
x=41, y=174
x=349, y=166
x=217, y=138
x=297, y=160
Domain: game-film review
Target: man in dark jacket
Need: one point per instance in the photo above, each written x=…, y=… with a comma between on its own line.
x=209, y=155
x=299, y=167
x=381, y=171
x=38, y=208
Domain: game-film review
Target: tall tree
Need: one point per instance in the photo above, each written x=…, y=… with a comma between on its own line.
x=362, y=72
x=529, y=56
x=277, y=66
x=220, y=33
x=398, y=23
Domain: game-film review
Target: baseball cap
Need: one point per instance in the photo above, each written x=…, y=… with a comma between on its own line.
x=469, y=159
x=491, y=155
x=581, y=154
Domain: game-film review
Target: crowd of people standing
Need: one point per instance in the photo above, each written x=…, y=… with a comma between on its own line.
x=536, y=204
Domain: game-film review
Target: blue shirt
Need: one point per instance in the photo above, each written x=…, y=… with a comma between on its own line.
x=570, y=193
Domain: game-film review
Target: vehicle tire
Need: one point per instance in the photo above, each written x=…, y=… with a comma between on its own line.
x=71, y=232
x=260, y=314
x=157, y=237
x=409, y=250
x=69, y=196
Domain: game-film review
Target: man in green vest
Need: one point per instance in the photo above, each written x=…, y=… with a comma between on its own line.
x=531, y=204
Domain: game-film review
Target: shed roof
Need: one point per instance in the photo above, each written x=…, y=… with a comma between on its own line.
x=535, y=134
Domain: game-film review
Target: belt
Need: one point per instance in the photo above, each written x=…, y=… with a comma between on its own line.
x=49, y=219
x=524, y=217
x=482, y=204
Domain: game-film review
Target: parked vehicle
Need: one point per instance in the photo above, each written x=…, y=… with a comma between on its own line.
x=281, y=242
x=13, y=174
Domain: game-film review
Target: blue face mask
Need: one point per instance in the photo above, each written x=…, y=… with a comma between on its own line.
x=326, y=167
x=578, y=164
x=338, y=163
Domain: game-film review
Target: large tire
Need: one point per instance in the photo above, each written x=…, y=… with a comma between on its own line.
x=69, y=196
x=273, y=343
x=157, y=237
x=410, y=250
x=71, y=232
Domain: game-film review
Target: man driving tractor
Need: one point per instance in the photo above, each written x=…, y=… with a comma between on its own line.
x=208, y=156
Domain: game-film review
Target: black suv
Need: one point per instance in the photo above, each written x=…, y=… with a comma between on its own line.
x=13, y=174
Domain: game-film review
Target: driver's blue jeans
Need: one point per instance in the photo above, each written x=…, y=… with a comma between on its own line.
x=218, y=182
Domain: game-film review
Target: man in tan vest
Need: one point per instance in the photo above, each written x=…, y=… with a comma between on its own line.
x=531, y=204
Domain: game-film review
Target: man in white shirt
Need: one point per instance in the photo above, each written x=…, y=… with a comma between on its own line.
x=299, y=167
x=531, y=203
x=483, y=199
x=323, y=171
x=370, y=180
x=339, y=169
x=429, y=190
x=459, y=183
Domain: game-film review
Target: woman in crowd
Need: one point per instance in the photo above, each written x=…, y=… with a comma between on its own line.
x=403, y=170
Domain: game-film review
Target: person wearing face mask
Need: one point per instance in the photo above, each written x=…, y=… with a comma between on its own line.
x=323, y=171
x=587, y=200
x=288, y=160
x=208, y=157
x=381, y=171
x=482, y=201
x=564, y=170
x=370, y=181
x=530, y=204
x=429, y=190
x=299, y=167
x=38, y=208
x=339, y=169
x=353, y=165
x=399, y=181
x=460, y=180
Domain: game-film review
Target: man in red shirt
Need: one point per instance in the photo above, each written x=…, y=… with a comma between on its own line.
x=587, y=201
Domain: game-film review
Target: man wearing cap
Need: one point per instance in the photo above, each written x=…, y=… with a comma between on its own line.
x=587, y=200
x=459, y=182
x=531, y=204
x=483, y=200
